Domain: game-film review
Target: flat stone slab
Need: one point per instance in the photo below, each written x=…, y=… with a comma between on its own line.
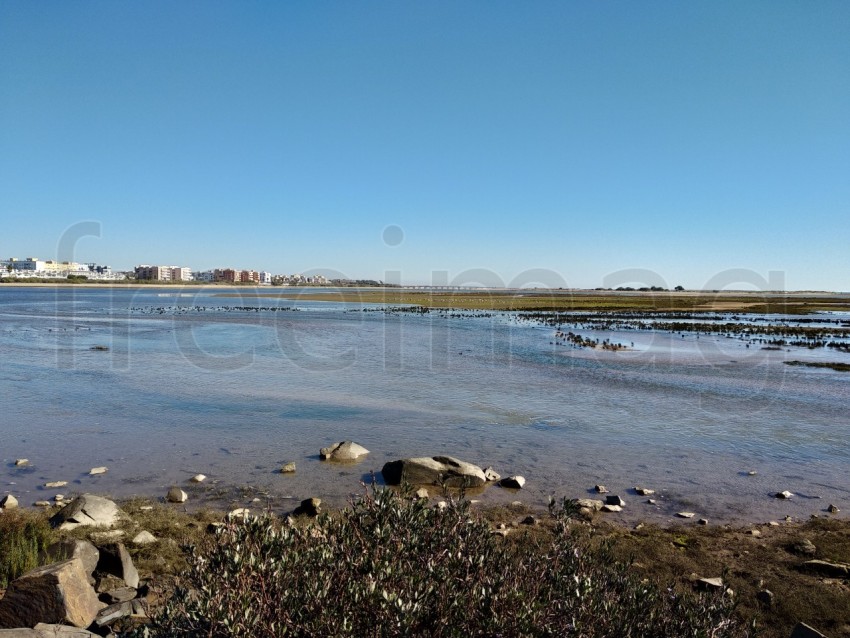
x=825, y=568
x=434, y=470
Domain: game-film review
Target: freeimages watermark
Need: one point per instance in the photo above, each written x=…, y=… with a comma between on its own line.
x=633, y=320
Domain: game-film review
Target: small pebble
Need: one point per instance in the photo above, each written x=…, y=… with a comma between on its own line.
x=784, y=495
x=832, y=509
x=703, y=521
x=198, y=478
x=22, y=462
x=601, y=489
x=685, y=514
x=54, y=484
x=97, y=470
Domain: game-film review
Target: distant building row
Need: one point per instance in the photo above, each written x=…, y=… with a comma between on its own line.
x=46, y=268
x=224, y=275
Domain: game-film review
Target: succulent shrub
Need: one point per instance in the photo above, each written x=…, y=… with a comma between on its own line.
x=391, y=566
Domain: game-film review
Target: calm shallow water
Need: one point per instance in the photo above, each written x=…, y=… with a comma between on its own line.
x=198, y=383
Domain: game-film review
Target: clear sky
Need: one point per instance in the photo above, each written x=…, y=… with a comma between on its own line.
x=681, y=139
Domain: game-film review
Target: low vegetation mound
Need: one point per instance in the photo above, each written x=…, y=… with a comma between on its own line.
x=392, y=566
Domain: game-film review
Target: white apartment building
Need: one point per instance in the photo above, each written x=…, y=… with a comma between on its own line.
x=45, y=268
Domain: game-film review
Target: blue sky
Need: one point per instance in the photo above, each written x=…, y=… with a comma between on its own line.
x=599, y=142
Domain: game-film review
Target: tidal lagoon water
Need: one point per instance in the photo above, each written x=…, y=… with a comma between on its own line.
x=161, y=384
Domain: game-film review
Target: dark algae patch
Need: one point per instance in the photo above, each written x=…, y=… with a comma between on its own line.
x=831, y=365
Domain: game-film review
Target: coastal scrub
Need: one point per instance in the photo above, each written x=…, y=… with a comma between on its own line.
x=391, y=566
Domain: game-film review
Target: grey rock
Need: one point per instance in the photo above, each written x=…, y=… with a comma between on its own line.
x=143, y=538
x=435, y=470
x=611, y=508
x=710, y=583
x=589, y=503
x=601, y=489
x=198, y=478
x=513, y=482
x=491, y=475
x=176, y=495
x=107, y=582
x=825, y=568
x=115, y=560
x=784, y=495
x=43, y=630
x=804, y=547
x=643, y=491
x=421, y=493
x=685, y=514
x=832, y=509
x=72, y=548
x=309, y=507
x=110, y=614
x=343, y=451
x=765, y=597
x=8, y=502
x=529, y=520
x=288, y=468
x=613, y=499
x=802, y=630
x=87, y=509
x=20, y=462
x=59, y=593
x=119, y=595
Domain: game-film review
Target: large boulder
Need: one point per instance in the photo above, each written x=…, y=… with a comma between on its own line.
x=59, y=593
x=72, y=548
x=343, y=451
x=434, y=470
x=87, y=509
x=115, y=560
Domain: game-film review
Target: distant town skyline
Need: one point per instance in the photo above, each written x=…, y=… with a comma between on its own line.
x=683, y=143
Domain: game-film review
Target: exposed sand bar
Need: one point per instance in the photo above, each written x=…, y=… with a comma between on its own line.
x=590, y=300
x=796, y=302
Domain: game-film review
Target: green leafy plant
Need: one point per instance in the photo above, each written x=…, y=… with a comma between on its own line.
x=22, y=536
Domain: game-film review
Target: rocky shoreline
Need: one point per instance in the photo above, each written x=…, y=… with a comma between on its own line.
x=88, y=578
x=437, y=474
